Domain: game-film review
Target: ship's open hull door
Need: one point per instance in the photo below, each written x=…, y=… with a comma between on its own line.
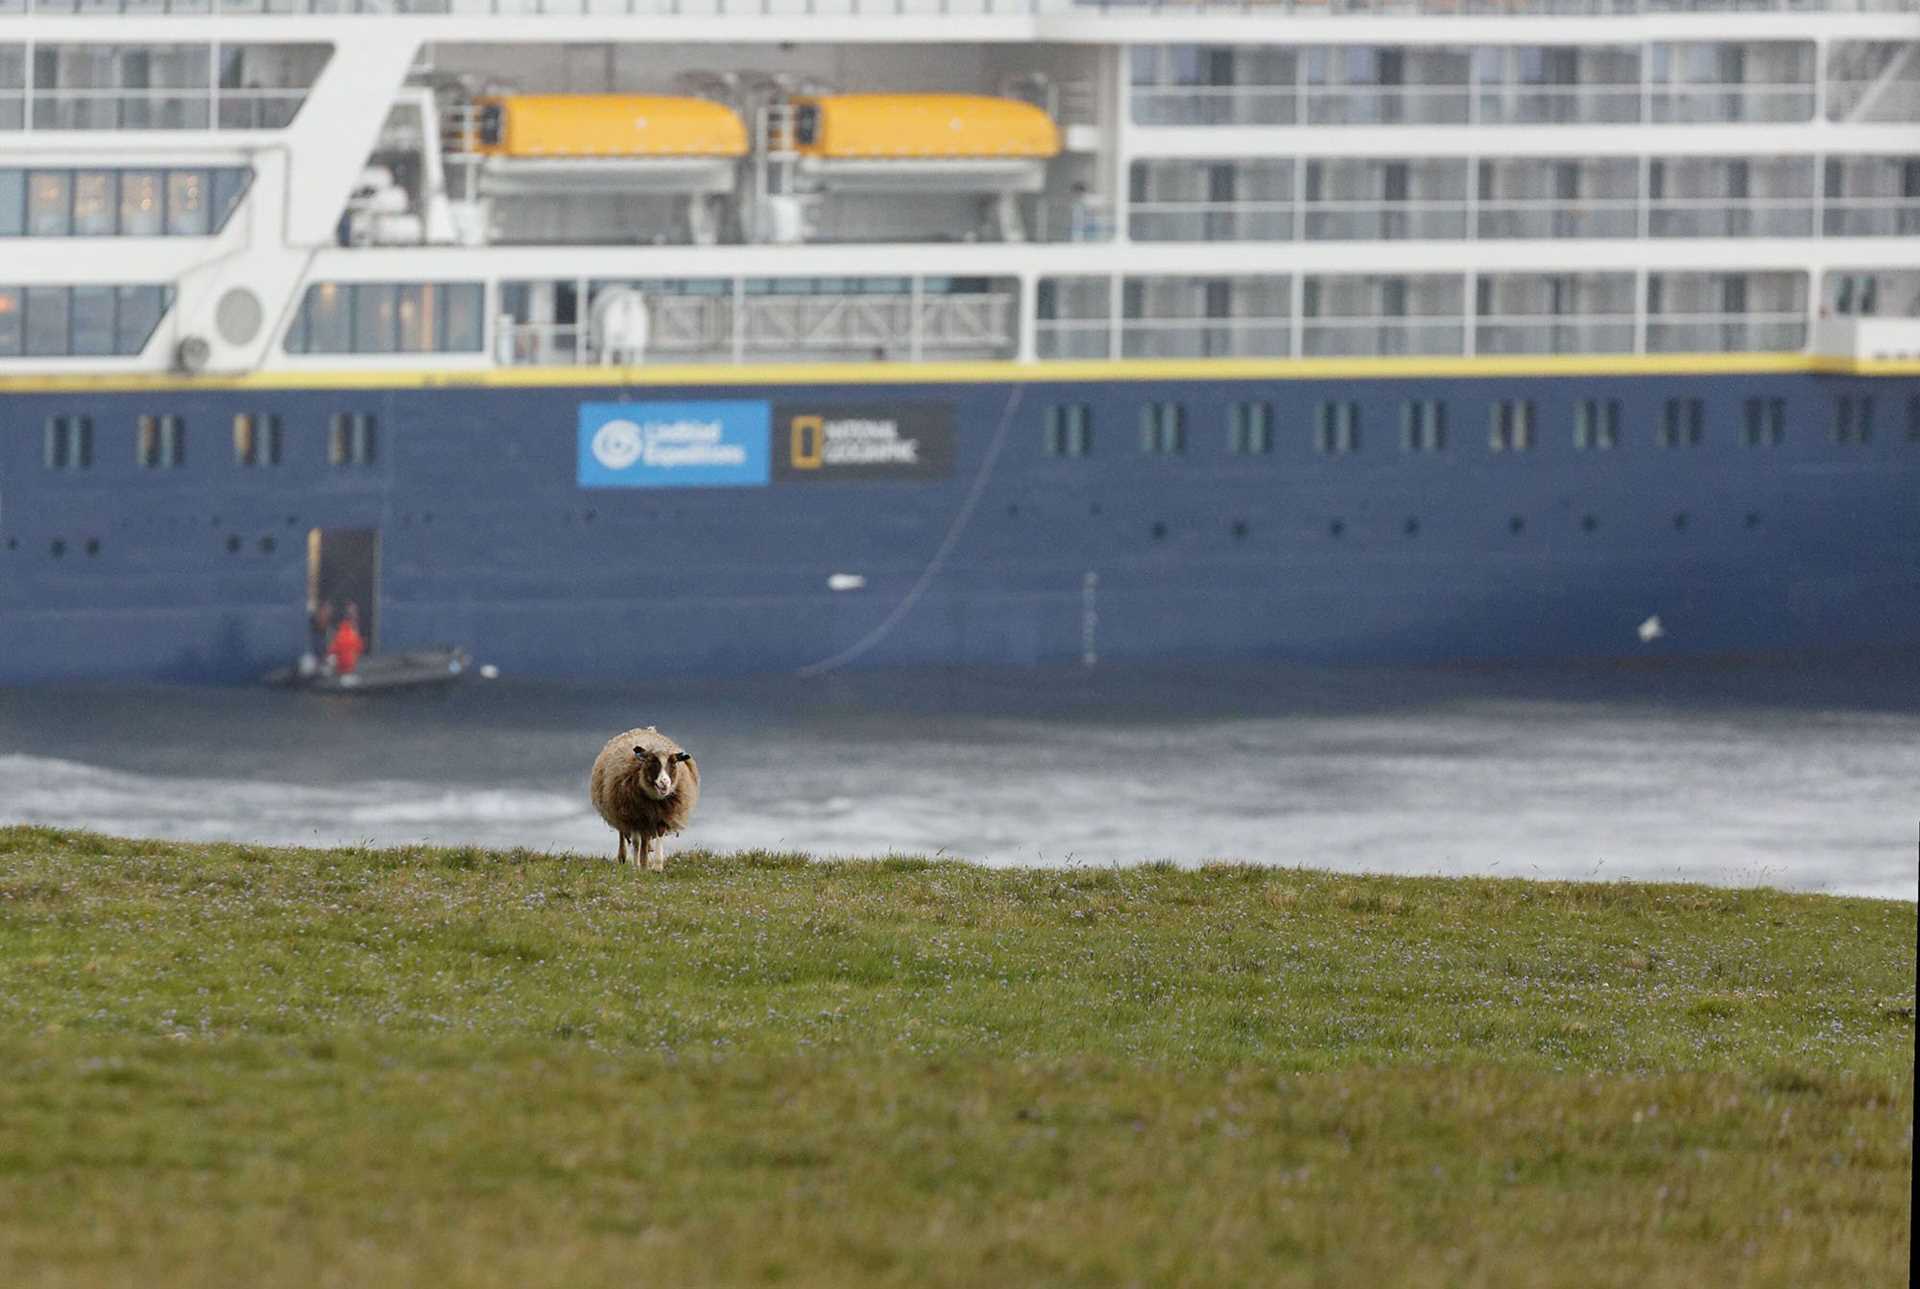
x=343, y=564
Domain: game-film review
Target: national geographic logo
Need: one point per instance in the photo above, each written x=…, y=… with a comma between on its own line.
x=804, y=451
x=911, y=441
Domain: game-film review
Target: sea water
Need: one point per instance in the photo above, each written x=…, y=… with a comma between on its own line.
x=1798, y=775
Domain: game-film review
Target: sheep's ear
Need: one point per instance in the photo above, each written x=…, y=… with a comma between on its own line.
x=682, y=756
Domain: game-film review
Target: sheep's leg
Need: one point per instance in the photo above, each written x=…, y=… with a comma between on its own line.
x=621, y=857
x=657, y=860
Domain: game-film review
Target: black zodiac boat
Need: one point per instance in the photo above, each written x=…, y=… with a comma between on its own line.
x=380, y=672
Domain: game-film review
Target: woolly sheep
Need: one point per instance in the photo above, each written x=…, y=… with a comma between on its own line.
x=645, y=786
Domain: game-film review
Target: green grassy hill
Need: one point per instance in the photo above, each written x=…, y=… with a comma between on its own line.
x=235, y=1065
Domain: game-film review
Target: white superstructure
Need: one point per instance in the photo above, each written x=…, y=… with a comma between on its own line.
x=278, y=185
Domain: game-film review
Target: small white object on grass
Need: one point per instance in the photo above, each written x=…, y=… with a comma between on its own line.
x=1651, y=630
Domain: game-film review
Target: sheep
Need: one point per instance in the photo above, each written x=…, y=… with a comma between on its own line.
x=645, y=786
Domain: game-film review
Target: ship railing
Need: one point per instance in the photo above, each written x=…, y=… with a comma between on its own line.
x=1069, y=221
x=1551, y=217
x=1474, y=103
x=1382, y=337
x=1871, y=217
x=1441, y=219
x=171, y=108
x=1683, y=333
x=1555, y=333
x=774, y=328
x=1009, y=8
x=1185, y=221
x=1862, y=102
x=1730, y=102
x=1245, y=337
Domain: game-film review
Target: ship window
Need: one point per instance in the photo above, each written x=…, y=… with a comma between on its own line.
x=187, y=209
x=63, y=321
x=1162, y=429
x=1596, y=424
x=1250, y=428
x=1337, y=427
x=1510, y=425
x=13, y=198
x=161, y=442
x=1423, y=425
x=1853, y=419
x=95, y=203
x=92, y=320
x=461, y=317
x=11, y=314
x=142, y=212
x=230, y=184
x=1682, y=423
x=49, y=203
x=415, y=318
x=69, y=443
x=388, y=317
x=1069, y=430
x=118, y=203
x=48, y=310
x=137, y=312
x=352, y=439
x=375, y=313
x=1766, y=422
x=256, y=439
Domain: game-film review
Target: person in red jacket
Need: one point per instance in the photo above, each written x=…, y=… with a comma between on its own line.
x=347, y=645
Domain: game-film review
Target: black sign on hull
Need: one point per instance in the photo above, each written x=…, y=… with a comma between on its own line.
x=814, y=442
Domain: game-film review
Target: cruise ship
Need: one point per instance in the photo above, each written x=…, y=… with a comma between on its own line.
x=643, y=338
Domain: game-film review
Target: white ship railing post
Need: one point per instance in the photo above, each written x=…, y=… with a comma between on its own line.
x=1026, y=312
x=739, y=319
x=916, y=292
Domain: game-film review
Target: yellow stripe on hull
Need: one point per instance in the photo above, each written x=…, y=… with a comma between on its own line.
x=973, y=373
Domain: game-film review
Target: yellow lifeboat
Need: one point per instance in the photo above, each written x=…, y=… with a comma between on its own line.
x=624, y=126
x=905, y=127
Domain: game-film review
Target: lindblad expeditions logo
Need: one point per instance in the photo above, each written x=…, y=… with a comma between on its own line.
x=914, y=442
x=712, y=443
x=666, y=445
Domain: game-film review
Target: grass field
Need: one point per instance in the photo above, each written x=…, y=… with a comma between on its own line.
x=227, y=1065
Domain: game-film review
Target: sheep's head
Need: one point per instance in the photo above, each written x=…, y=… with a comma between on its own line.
x=656, y=770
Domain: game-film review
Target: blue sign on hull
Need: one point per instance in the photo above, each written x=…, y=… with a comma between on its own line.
x=674, y=445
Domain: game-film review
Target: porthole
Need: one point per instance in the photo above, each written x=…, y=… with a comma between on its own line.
x=1239, y=530
x=1411, y=528
x=1159, y=531
x=1517, y=525
x=1753, y=519
x=1013, y=510
x=58, y=548
x=93, y=547
x=266, y=545
x=1094, y=509
x=1336, y=528
x=293, y=521
x=1680, y=522
x=233, y=543
x=1588, y=523
x=13, y=543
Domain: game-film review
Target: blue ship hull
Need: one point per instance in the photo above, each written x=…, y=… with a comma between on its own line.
x=492, y=533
